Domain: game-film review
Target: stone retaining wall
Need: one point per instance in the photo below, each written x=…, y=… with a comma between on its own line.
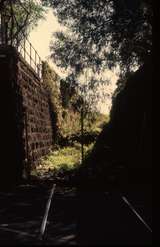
x=28, y=112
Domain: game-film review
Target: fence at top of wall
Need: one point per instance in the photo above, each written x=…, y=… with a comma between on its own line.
x=12, y=33
x=31, y=56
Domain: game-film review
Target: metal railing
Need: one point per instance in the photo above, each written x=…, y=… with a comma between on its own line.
x=31, y=56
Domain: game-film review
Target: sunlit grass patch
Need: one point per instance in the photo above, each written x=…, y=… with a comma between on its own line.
x=62, y=160
x=67, y=158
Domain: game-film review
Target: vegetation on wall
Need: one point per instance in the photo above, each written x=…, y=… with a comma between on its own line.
x=64, y=101
x=50, y=80
x=66, y=120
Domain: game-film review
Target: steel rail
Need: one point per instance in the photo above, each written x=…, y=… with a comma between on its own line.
x=44, y=221
x=6, y=229
x=136, y=213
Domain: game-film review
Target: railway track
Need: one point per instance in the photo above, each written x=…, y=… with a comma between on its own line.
x=37, y=221
x=95, y=219
x=132, y=208
x=45, y=218
x=114, y=221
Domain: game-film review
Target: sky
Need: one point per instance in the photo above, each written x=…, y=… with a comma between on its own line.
x=41, y=37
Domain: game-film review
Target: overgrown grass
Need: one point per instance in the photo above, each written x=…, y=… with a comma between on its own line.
x=62, y=160
x=66, y=159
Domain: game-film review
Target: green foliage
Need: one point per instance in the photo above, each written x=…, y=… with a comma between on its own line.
x=18, y=18
x=94, y=122
x=51, y=81
x=68, y=92
x=61, y=161
x=66, y=123
x=35, y=13
x=65, y=158
x=102, y=34
x=66, y=117
x=70, y=123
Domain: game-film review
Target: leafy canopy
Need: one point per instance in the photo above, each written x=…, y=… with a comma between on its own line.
x=103, y=33
x=99, y=35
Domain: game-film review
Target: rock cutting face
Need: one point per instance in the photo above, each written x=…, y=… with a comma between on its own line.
x=127, y=139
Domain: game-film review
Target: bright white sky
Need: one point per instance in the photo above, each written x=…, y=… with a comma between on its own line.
x=41, y=37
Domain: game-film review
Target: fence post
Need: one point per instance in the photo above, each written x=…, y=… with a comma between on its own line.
x=30, y=53
x=2, y=28
x=39, y=67
x=24, y=48
x=35, y=61
x=82, y=134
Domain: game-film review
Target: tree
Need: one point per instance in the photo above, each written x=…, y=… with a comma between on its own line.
x=103, y=33
x=18, y=17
